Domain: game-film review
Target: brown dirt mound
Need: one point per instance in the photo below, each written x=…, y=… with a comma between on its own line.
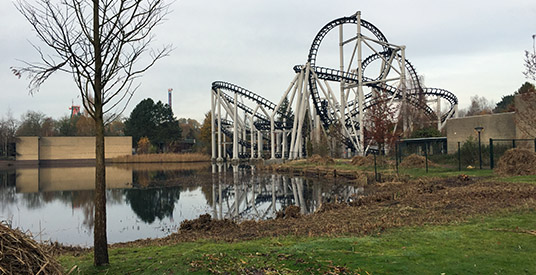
x=205, y=223
x=517, y=162
x=386, y=205
x=20, y=254
x=291, y=211
x=320, y=160
x=362, y=161
x=416, y=161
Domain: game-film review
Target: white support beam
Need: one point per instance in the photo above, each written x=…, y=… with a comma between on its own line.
x=212, y=124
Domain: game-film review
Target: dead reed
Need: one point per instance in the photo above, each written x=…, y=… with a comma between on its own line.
x=20, y=254
x=161, y=158
x=517, y=162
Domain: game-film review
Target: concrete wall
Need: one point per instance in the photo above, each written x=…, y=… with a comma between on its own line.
x=70, y=148
x=69, y=179
x=28, y=148
x=495, y=126
x=525, y=117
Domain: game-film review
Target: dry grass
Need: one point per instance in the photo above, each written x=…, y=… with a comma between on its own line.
x=20, y=254
x=161, y=158
x=416, y=161
x=517, y=162
x=320, y=160
x=175, y=166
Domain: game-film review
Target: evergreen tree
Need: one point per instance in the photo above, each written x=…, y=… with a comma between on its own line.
x=154, y=121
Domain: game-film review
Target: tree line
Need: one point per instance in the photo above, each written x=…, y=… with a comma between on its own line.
x=152, y=125
x=482, y=106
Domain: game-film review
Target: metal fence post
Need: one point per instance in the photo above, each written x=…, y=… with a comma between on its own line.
x=426, y=155
x=535, y=145
x=491, y=164
x=459, y=157
x=396, y=155
x=375, y=169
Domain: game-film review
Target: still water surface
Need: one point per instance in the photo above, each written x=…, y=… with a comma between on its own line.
x=150, y=201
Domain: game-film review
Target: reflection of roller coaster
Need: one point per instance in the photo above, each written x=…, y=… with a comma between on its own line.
x=375, y=73
x=244, y=196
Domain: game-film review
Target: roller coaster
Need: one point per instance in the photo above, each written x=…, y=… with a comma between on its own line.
x=348, y=54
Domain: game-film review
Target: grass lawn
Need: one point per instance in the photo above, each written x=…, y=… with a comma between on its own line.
x=500, y=244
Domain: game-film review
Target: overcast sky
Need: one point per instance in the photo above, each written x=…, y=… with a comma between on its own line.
x=467, y=47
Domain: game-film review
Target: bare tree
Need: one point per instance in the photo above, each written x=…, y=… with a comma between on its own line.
x=8, y=127
x=102, y=44
x=530, y=61
x=479, y=106
x=380, y=122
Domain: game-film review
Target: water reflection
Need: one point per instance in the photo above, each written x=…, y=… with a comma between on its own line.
x=145, y=201
x=153, y=203
x=245, y=195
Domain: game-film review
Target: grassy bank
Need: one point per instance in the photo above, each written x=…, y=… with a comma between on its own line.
x=499, y=244
x=161, y=158
x=389, y=170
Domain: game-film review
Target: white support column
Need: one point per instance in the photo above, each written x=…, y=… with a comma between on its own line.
x=272, y=137
x=212, y=124
x=341, y=60
x=278, y=143
x=244, y=134
x=403, y=88
x=252, y=136
x=298, y=147
x=259, y=144
x=292, y=150
x=438, y=113
x=235, y=128
x=285, y=144
x=220, y=158
x=361, y=96
x=224, y=149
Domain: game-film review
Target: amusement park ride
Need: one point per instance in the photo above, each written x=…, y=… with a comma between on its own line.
x=322, y=96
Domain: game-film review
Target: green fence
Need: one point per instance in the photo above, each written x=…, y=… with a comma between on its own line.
x=497, y=147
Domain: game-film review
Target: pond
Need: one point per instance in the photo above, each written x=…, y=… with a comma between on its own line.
x=151, y=200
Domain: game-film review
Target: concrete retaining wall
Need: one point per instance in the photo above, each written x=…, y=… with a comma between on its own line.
x=69, y=148
x=497, y=126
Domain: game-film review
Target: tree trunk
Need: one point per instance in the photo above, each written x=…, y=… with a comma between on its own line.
x=100, y=242
x=100, y=239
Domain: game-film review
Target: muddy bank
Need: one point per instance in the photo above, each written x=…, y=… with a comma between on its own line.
x=389, y=205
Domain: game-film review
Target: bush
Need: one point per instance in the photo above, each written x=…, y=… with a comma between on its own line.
x=469, y=153
x=144, y=145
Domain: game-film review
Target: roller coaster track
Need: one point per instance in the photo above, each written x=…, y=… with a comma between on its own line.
x=415, y=95
x=262, y=122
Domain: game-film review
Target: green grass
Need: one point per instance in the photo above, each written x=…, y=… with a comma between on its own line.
x=445, y=172
x=500, y=244
x=433, y=172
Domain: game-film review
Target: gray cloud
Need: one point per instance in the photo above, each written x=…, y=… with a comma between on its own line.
x=467, y=47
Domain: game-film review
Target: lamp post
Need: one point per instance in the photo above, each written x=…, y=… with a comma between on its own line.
x=479, y=130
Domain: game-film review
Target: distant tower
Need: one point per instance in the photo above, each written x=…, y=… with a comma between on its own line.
x=75, y=110
x=169, y=97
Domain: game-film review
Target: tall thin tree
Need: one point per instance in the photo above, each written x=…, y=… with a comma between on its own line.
x=105, y=45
